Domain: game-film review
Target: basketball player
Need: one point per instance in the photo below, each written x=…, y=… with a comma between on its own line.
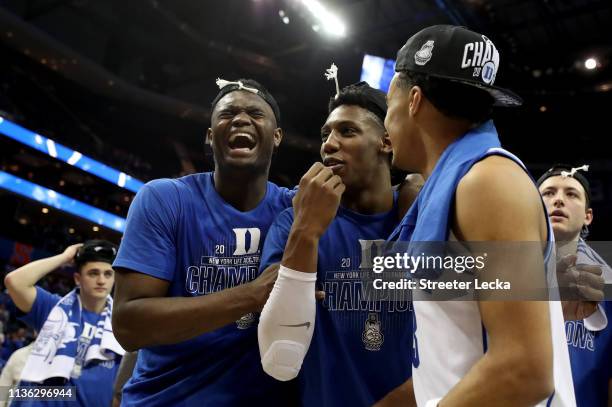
x=186, y=270
x=359, y=351
x=567, y=195
x=472, y=353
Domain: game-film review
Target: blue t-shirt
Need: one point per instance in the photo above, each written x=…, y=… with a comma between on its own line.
x=362, y=344
x=95, y=385
x=182, y=231
x=591, y=358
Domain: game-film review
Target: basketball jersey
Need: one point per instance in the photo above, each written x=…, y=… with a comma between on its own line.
x=590, y=342
x=360, y=350
x=182, y=231
x=449, y=336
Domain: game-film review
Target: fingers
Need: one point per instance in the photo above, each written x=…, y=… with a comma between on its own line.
x=586, y=308
x=316, y=171
x=340, y=189
x=590, y=282
x=272, y=268
x=334, y=182
x=324, y=175
x=590, y=268
x=319, y=295
x=590, y=287
x=320, y=174
x=567, y=261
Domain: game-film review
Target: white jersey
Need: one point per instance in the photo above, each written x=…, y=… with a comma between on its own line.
x=450, y=338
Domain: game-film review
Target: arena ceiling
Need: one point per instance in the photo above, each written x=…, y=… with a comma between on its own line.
x=135, y=73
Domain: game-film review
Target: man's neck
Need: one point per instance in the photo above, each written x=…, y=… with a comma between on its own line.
x=93, y=304
x=376, y=198
x=243, y=189
x=435, y=139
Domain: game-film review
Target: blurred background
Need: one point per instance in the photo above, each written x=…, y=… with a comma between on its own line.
x=98, y=97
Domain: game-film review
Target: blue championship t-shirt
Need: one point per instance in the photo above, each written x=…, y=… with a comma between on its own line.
x=362, y=343
x=94, y=387
x=182, y=231
x=591, y=358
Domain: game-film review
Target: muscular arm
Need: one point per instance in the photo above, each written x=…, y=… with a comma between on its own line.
x=21, y=282
x=314, y=206
x=143, y=316
x=517, y=369
x=123, y=375
x=287, y=320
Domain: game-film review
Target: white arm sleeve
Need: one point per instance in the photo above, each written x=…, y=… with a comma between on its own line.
x=287, y=323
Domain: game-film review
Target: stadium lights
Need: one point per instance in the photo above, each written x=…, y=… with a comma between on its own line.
x=284, y=17
x=61, y=202
x=590, y=63
x=69, y=156
x=329, y=22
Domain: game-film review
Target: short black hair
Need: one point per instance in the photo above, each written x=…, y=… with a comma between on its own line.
x=362, y=95
x=451, y=98
x=261, y=92
x=95, y=250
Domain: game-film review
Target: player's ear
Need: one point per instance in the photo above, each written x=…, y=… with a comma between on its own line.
x=208, y=138
x=588, y=217
x=278, y=137
x=415, y=100
x=386, y=147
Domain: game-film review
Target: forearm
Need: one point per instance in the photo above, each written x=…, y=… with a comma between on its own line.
x=287, y=323
x=146, y=322
x=31, y=273
x=125, y=372
x=501, y=379
x=301, y=249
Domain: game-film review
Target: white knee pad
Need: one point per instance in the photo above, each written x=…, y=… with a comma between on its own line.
x=286, y=324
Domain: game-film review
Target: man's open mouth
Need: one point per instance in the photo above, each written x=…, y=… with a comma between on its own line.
x=241, y=141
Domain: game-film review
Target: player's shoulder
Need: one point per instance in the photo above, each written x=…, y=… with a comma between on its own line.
x=495, y=194
x=497, y=176
x=281, y=195
x=168, y=188
x=285, y=217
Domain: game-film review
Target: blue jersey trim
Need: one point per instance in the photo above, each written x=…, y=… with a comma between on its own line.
x=550, y=399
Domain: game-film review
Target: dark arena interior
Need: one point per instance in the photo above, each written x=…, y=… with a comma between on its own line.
x=99, y=97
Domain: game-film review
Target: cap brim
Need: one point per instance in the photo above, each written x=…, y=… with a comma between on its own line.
x=501, y=96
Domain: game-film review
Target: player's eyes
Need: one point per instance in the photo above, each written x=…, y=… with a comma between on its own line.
x=225, y=115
